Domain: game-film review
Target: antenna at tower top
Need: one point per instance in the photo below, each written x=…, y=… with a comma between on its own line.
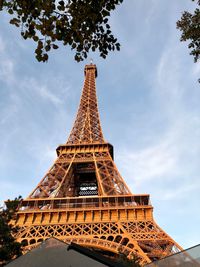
x=91, y=60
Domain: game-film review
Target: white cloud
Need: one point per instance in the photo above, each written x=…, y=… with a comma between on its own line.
x=7, y=113
x=179, y=192
x=156, y=166
x=6, y=70
x=7, y=64
x=196, y=70
x=2, y=45
x=151, y=162
x=48, y=154
x=51, y=90
x=47, y=94
x=167, y=79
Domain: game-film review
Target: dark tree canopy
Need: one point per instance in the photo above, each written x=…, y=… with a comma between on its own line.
x=81, y=24
x=189, y=25
x=9, y=248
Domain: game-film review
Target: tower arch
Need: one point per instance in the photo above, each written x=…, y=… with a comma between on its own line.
x=83, y=198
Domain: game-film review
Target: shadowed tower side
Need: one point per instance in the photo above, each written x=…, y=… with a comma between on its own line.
x=84, y=199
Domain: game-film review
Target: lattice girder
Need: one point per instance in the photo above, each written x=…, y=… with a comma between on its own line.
x=58, y=181
x=111, y=236
x=87, y=127
x=84, y=199
x=113, y=223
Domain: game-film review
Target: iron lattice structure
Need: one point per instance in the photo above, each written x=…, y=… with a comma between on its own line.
x=84, y=199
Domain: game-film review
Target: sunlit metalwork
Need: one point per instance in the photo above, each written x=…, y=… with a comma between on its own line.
x=84, y=199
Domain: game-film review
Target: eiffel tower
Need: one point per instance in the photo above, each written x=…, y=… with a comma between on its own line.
x=84, y=199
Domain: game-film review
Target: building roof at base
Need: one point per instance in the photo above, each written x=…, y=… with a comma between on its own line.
x=55, y=253
x=186, y=258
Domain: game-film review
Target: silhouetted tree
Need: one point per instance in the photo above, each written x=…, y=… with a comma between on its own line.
x=9, y=248
x=189, y=25
x=81, y=24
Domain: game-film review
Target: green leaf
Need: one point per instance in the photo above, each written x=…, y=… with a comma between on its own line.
x=45, y=57
x=35, y=38
x=10, y=11
x=79, y=24
x=62, y=3
x=55, y=46
x=40, y=44
x=73, y=45
x=47, y=48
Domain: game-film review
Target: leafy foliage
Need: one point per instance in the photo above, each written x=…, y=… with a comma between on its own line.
x=81, y=24
x=189, y=24
x=9, y=248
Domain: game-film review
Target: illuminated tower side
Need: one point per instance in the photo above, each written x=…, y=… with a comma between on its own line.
x=84, y=199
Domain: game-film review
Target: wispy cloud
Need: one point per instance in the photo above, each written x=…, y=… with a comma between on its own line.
x=2, y=45
x=167, y=84
x=43, y=91
x=6, y=63
x=158, y=167
x=151, y=162
x=6, y=70
x=180, y=192
x=196, y=70
x=48, y=155
x=49, y=89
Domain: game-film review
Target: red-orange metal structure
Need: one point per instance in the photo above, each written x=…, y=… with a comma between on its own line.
x=84, y=199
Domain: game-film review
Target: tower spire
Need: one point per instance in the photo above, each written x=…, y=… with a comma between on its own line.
x=87, y=127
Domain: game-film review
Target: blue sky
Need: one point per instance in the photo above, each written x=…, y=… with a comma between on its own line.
x=148, y=102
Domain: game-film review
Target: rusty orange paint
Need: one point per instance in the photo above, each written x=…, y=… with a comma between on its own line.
x=84, y=199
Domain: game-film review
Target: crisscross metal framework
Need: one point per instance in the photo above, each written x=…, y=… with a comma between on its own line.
x=84, y=199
